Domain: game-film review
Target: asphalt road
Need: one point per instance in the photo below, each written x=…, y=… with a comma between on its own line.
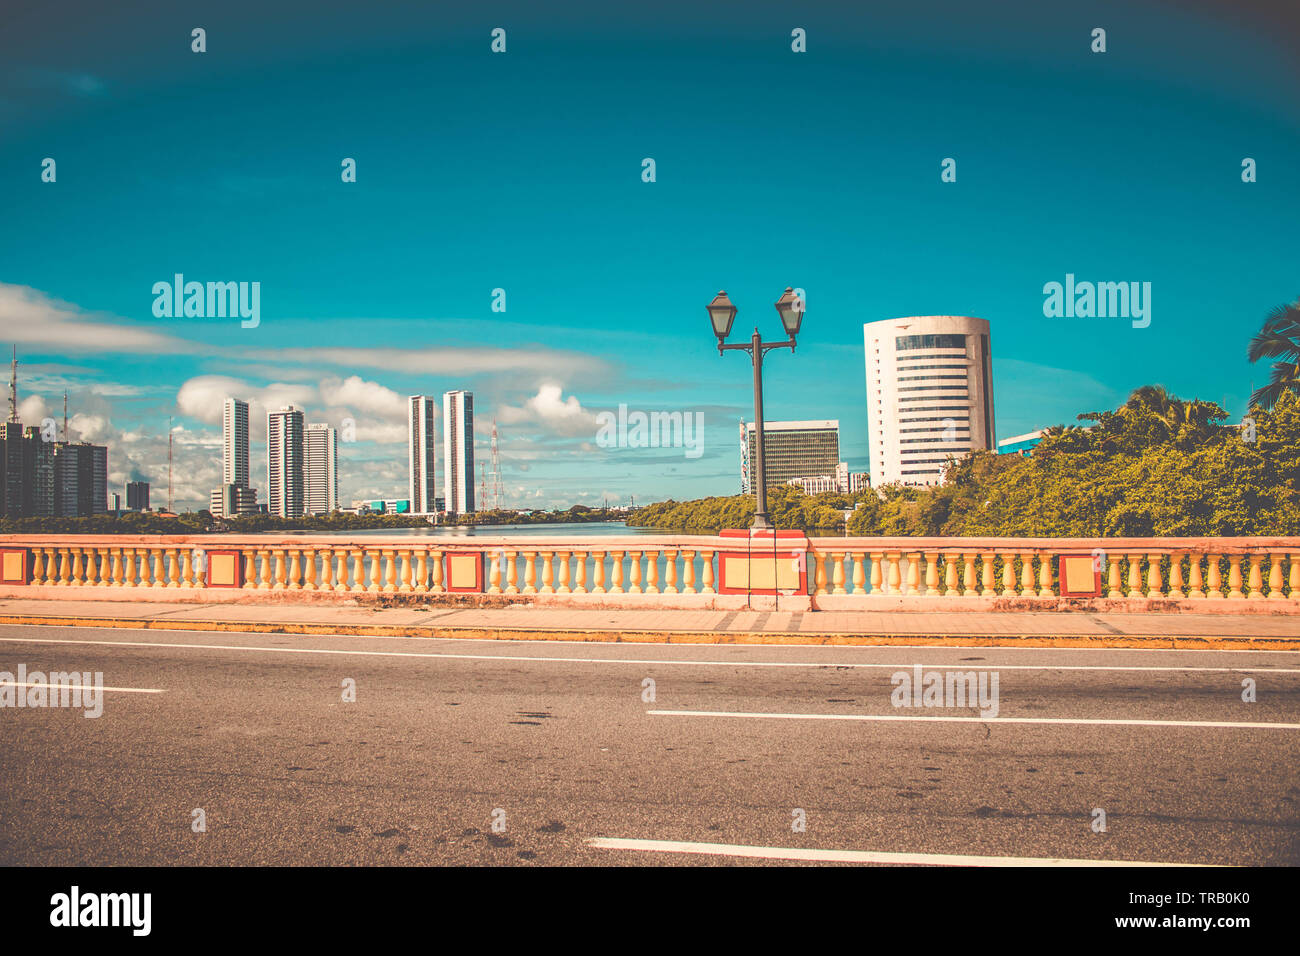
x=555, y=741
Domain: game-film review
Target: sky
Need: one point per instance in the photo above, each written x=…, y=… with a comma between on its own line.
x=522, y=171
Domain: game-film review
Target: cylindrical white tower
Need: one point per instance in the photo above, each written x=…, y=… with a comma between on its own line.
x=929, y=395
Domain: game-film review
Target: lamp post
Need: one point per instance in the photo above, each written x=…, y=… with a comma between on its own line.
x=722, y=313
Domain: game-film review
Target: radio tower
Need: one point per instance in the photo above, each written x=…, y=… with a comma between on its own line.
x=498, y=493
x=13, y=387
x=169, y=464
x=482, y=487
x=65, y=415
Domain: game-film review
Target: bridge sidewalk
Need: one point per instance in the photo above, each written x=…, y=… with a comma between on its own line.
x=532, y=622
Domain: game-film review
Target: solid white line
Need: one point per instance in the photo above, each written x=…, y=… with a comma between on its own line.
x=647, y=662
x=852, y=856
x=55, y=687
x=745, y=645
x=979, y=720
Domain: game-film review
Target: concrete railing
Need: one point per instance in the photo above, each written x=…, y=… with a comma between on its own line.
x=661, y=570
x=1146, y=568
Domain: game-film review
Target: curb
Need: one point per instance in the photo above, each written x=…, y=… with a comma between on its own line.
x=783, y=638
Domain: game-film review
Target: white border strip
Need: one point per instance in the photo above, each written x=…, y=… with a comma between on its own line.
x=852, y=856
x=980, y=720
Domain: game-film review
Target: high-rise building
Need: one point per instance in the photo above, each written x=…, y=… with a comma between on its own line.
x=322, y=477
x=929, y=395
x=284, y=462
x=458, y=451
x=11, y=468
x=80, y=479
x=38, y=473
x=422, y=453
x=137, y=495
x=234, y=442
x=791, y=450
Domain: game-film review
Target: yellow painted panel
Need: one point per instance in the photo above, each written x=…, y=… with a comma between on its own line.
x=221, y=570
x=13, y=566
x=758, y=573
x=462, y=571
x=1079, y=574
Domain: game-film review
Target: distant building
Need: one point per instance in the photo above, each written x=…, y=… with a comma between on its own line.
x=284, y=462
x=38, y=474
x=791, y=450
x=234, y=442
x=458, y=451
x=230, y=500
x=80, y=479
x=1020, y=444
x=114, y=502
x=390, y=506
x=842, y=482
x=322, y=477
x=137, y=495
x=422, y=452
x=929, y=395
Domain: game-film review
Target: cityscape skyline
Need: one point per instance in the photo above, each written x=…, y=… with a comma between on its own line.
x=602, y=276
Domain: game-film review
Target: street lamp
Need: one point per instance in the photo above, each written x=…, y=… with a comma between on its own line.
x=790, y=307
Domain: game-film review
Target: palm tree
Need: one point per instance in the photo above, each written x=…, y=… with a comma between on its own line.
x=1278, y=339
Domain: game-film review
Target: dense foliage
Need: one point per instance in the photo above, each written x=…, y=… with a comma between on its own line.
x=1155, y=466
x=787, y=505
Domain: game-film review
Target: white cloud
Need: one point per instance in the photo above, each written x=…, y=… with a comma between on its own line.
x=552, y=413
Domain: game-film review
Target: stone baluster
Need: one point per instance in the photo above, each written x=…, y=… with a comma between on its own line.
x=494, y=572
x=895, y=560
x=616, y=569
x=1234, y=577
x=859, y=572
x=38, y=565
x=1293, y=559
x=438, y=560
x=530, y=572
x=708, y=572
x=1045, y=589
x=295, y=569
x=1255, y=586
x=77, y=572
x=93, y=576
x=580, y=572
x=837, y=573
x=1155, y=583
x=1134, y=575
x=652, y=571
x=267, y=580
x=1114, y=578
x=877, y=572
x=1196, y=587
x=1214, y=577
x=951, y=580
x=968, y=575
x=404, y=575
x=670, y=571
x=1008, y=575
x=548, y=573
x=986, y=577
x=688, y=571
x=634, y=569
x=819, y=587
x=1275, y=575
x=390, y=570
x=1026, y=574
x=326, y=569
x=931, y=573
x=1176, y=576
x=309, y=569
x=562, y=586
x=512, y=573
x=250, y=568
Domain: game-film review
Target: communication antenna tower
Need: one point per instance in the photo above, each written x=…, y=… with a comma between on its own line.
x=498, y=493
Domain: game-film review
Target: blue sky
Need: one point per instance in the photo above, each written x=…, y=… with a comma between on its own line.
x=522, y=171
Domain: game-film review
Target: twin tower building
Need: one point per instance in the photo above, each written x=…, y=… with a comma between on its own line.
x=302, y=475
